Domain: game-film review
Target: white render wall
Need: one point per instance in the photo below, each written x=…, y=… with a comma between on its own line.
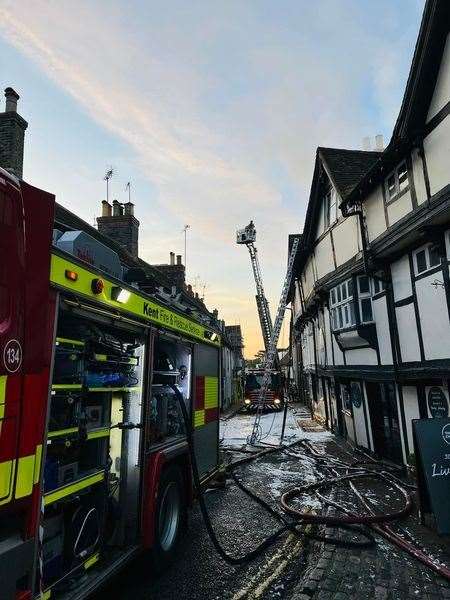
x=399, y=208
x=407, y=333
x=441, y=94
x=411, y=407
x=324, y=257
x=383, y=331
x=346, y=238
x=434, y=319
x=361, y=356
x=419, y=179
x=401, y=278
x=374, y=213
x=437, y=152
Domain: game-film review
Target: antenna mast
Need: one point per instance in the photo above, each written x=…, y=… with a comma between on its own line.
x=128, y=187
x=184, y=230
x=109, y=173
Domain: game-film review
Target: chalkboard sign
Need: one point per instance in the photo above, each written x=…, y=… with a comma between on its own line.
x=432, y=450
x=437, y=403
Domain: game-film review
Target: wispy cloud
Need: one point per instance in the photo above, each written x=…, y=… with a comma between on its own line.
x=222, y=106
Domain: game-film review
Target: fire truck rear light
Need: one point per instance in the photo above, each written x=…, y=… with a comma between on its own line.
x=97, y=286
x=72, y=275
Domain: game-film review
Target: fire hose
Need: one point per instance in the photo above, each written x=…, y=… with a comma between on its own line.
x=376, y=522
x=372, y=520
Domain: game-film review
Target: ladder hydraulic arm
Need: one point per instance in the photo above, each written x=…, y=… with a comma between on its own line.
x=271, y=352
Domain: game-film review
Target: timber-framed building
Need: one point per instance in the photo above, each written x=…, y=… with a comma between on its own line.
x=371, y=296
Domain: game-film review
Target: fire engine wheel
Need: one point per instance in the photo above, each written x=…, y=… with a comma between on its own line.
x=170, y=516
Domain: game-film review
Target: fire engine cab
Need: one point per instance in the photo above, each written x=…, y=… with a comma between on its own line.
x=94, y=461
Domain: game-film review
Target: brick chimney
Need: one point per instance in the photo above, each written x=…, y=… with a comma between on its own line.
x=174, y=272
x=119, y=223
x=12, y=135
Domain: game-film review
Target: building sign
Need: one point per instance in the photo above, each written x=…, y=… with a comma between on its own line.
x=432, y=450
x=437, y=403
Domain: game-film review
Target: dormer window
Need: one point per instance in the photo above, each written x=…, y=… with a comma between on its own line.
x=397, y=182
x=329, y=208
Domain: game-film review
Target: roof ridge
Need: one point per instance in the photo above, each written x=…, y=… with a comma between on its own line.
x=350, y=150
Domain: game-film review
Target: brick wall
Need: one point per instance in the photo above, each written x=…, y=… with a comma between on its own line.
x=123, y=229
x=12, y=134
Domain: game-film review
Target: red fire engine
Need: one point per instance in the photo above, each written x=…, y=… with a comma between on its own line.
x=93, y=456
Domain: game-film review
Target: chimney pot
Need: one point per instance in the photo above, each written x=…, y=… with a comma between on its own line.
x=117, y=209
x=172, y=258
x=11, y=100
x=379, y=142
x=129, y=208
x=106, y=208
x=366, y=144
x=178, y=259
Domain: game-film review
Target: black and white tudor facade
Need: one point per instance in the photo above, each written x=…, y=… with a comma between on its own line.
x=371, y=296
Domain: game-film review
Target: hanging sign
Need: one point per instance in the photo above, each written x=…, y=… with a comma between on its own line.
x=432, y=451
x=437, y=403
x=356, y=394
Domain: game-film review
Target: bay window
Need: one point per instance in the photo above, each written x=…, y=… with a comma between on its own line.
x=342, y=305
x=349, y=307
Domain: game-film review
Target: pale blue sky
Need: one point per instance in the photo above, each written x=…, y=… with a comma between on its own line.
x=212, y=109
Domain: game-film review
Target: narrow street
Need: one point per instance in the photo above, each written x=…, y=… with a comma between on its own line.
x=294, y=567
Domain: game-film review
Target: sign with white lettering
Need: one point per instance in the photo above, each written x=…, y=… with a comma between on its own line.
x=12, y=356
x=432, y=450
x=437, y=403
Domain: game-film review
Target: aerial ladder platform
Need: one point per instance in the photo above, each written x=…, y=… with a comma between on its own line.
x=247, y=237
x=271, y=333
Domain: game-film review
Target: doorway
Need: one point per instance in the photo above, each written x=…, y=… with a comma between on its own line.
x=384, y=419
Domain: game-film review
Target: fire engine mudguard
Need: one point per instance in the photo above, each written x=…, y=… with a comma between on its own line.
x=157, y=463
x=170, y=516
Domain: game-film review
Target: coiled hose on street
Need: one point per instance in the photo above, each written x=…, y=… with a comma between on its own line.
x=377, y=522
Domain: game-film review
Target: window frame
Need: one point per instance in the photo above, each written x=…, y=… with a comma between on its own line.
x=342, y=305
x=398, y=189
x=354, y=301
x=364, y=296
x=377, y=281
x=429, y=267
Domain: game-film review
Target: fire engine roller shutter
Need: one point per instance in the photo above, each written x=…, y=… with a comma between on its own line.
x=205, y=409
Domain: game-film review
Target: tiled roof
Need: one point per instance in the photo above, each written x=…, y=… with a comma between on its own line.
x=347, y=167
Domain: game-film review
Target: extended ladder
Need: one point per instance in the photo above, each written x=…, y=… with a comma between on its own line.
x=271, y=353
x=247, y=236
